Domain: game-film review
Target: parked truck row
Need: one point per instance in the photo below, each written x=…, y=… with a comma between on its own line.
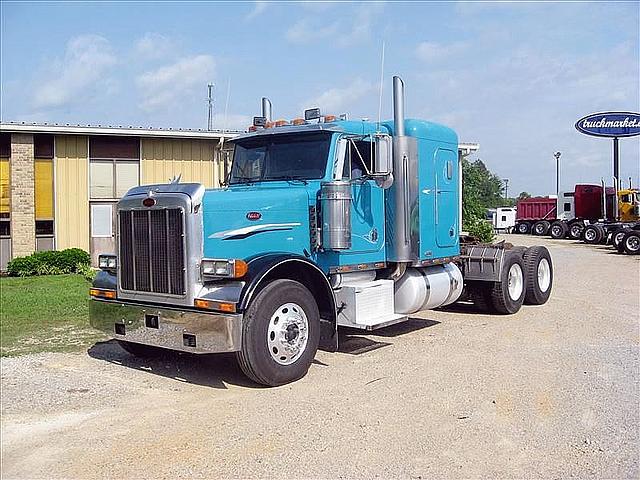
x=324, y=223
x=595, y=214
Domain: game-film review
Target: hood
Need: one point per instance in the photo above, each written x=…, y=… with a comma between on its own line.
x=242, y=222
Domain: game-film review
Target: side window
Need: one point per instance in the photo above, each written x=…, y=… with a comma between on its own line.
x=625, y=198
x=360, y=158
x=567, y=207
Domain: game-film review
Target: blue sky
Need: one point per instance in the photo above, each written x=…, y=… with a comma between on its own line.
x=513, y=77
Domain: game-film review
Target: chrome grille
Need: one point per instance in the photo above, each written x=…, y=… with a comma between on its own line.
x=152, y=250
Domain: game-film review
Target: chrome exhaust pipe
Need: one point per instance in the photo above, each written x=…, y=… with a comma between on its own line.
x=398, y=106
x=266, y=109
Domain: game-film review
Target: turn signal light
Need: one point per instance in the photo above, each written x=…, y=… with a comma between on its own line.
x=214, y=305
x=233, y=268
x=100, y=293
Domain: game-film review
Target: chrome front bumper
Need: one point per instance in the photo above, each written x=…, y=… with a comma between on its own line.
x=176, y=329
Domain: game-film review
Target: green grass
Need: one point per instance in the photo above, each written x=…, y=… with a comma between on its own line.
x=45, y=314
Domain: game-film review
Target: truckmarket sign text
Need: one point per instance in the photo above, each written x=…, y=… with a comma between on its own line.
x=610, y=124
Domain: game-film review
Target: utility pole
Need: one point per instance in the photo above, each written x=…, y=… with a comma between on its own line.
x=557, y=155
x=210, y=101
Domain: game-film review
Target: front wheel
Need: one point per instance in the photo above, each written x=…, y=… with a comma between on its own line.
x=280, y=334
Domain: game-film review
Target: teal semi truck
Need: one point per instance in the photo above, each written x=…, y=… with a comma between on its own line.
x=323, y=223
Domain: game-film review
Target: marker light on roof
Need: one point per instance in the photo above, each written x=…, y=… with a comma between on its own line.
x=298, y=121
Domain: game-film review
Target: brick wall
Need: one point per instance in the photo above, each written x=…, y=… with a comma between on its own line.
x=23, y=221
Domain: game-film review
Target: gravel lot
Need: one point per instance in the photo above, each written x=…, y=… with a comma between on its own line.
x=551, y=392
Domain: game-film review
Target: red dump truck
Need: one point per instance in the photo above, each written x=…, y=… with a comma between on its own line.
x=564, y=216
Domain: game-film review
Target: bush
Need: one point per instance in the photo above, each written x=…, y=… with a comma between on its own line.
x=480, y=229
x=71, y=260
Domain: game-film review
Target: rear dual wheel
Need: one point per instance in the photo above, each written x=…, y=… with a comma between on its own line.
x=541, y=227
x=558, y=229
x=593, y=234
x=539, y=275
x=575, y=230
x=508, y=294
x=631, y=242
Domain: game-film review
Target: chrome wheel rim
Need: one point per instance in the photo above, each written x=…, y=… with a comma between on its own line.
x=516, y=281
x=618, y=237
x=556, y=230
x=590, y=234
x=288, y=333
x=544, y=275
x=522, y=228
x=633, y=243
x=575, y=231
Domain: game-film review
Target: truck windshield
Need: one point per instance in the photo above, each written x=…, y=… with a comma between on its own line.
x=280, y=157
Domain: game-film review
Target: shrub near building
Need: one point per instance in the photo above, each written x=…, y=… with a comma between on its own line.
x=71, y=260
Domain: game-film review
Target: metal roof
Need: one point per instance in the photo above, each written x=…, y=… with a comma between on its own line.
x=77, y=129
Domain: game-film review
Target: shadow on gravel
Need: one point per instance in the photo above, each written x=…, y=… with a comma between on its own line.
x=209, y=370
x=356, y=342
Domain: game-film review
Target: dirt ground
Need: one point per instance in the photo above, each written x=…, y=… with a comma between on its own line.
x=551, y=392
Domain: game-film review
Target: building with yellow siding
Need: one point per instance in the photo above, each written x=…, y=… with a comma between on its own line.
x=59, y=183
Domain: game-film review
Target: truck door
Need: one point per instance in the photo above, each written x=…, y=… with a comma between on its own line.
x=446, y=198
x=367, y=205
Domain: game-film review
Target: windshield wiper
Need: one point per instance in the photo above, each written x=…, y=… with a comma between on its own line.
x=243, y=180
x=289, y=178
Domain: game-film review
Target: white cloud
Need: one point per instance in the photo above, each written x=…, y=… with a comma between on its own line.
x=83, y=69
x=258, y=9
x=337, y=100
x=350, y=29
x=153, y=45
x=164, y=87
x=432, y=51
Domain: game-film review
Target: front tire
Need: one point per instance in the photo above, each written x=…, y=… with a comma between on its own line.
x=539, y=275
x=280, y=334
x=522, y=228
x=508, y=294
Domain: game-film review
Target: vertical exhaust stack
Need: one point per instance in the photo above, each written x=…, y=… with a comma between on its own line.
x=402, y=243
x=266, y=108
x=604, y=198
x=398, y=106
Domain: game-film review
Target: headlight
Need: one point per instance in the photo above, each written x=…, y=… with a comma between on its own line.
x=223, y=268
x=107, y=262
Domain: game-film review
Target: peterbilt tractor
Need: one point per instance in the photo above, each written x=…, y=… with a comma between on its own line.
x=323, y=223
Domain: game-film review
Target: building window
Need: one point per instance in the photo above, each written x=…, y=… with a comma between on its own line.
x=111, y=179
x=5, y=198
x=44, y=196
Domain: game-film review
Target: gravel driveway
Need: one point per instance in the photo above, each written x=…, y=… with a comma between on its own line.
x=553, y=392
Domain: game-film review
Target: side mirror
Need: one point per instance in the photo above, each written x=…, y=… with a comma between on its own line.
x=384, y=155
x=384, y=161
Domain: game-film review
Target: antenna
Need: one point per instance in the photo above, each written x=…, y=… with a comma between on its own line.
x=210, y=101
x=226, y=104
x=381, y=85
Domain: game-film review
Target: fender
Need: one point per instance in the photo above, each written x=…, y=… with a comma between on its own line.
x=269, y=267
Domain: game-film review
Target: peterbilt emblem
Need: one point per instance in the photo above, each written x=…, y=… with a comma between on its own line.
x=149, y=202
x=254, y=216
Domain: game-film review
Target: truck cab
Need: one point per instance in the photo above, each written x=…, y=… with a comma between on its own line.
x=323, y=223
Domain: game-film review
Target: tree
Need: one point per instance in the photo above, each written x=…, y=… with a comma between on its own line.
x=523, y=195
x=481, y=189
